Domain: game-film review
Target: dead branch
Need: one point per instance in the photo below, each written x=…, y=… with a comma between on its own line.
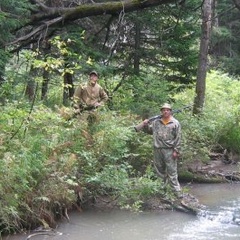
x=45, y=16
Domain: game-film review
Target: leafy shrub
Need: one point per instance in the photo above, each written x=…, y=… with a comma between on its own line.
x=118, y=183
x=141, y=95
x=219, y=123
x=230, y=139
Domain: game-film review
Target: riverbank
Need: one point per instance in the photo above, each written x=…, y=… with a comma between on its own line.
x=215, y=171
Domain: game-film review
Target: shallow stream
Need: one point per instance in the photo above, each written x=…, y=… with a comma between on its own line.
x=220, y=220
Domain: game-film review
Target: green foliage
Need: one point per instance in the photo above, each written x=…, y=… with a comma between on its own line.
x=114, y=140
x=64, y=60
x=49, y=162
x=129, y=191
x=141, y=94
x=230, y=140
x=225, y=38
x=26, y=155
x=203, y=134
x=52, y=163
x=13, y=14
x=226, y=92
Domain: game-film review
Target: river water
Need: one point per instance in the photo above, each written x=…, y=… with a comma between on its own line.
x=219, y=220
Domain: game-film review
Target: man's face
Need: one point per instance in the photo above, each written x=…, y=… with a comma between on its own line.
x=166, y=112
x=93, y=79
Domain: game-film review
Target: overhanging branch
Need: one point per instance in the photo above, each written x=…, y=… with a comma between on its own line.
x=54, y=16
x=37, y=30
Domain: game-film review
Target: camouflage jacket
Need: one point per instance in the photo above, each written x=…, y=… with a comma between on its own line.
x=88, y=95
x=165, y=136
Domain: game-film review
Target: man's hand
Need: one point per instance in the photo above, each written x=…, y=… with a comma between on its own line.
x=145, y=122
x=97, y=104
x=175, y=154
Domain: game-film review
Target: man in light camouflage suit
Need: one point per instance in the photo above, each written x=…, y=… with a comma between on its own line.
x=166, y=133
x=89, y=96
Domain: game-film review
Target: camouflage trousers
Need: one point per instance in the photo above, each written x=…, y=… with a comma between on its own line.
x=89, y=117
x=166, y=167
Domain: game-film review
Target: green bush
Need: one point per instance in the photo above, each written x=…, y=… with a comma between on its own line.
x=49, y=162
x=219, y=123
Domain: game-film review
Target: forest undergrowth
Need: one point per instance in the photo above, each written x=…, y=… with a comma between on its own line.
x=51, y=164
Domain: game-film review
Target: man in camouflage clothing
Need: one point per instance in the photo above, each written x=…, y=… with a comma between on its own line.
x=89, y=96
x=166, y=133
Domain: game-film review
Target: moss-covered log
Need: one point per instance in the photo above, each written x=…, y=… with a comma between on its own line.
x=208, y=177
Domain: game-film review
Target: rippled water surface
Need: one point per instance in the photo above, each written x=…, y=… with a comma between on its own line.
x=219, y=221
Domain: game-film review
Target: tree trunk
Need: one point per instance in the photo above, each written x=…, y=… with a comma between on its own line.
x=137, y=47
x=31, y=85
x=30, y=90
x=2, y=100
x=68, y=89
x=46, y=49
x=45, y=84
x=3, y=61
x=203, y=57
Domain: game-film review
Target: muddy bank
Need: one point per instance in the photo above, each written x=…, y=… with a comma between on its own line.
x=216, y=171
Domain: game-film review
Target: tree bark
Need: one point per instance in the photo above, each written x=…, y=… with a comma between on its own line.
x=45, y=84
x=46, y=49
x=137, y=47
x=68, y=89
x=30, y=90
x=203, y=57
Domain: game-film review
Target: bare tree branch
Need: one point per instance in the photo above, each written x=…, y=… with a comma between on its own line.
x=39, y=29
x=59, y=16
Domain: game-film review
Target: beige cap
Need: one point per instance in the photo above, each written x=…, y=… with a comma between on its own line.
x=93, y=72
x=166, y=105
